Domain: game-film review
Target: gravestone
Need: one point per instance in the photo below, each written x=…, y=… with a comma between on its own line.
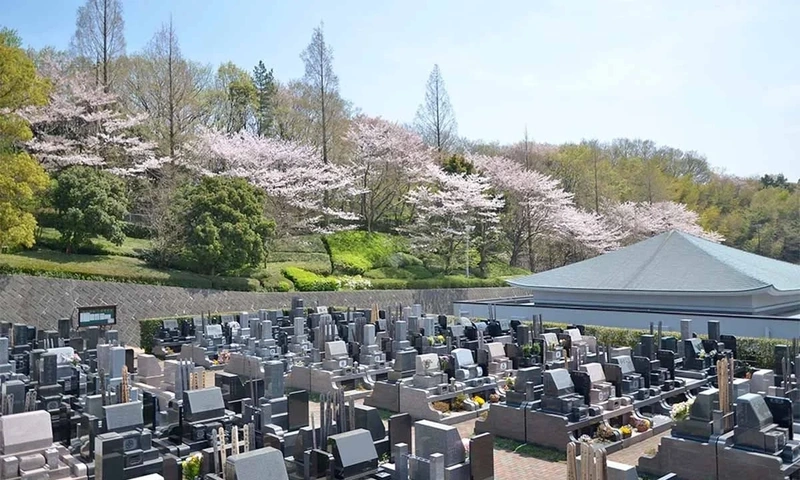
x=713, y=330
x=124, y=416
x=353, y=452
x=25, y=431
x=752, y=412
x=432, y=437
x=558, y=382
x=686, y=334
x=400, y=429
x=297, y=409
x=48, y=365
x=273, y=379
x=481, y=457
x=256, y=465
x=204, y=404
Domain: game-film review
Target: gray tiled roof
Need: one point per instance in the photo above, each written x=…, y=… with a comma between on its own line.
x=674, y=262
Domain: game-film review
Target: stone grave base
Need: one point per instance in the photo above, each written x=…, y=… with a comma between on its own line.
x=504, y=421
x=385, y=395
x=316, y=380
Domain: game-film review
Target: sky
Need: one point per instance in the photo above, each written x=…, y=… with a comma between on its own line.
x=718, y=77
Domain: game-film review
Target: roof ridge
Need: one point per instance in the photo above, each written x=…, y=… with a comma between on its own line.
x=653, y=255
x=703, y=245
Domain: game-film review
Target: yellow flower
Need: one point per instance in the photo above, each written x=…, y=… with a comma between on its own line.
x=477, y=399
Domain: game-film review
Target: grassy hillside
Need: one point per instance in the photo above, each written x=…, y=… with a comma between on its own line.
x=346, y=260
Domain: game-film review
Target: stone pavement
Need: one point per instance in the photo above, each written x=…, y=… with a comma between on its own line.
x=511, y=466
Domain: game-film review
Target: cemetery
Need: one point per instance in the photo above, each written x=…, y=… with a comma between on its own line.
x=318, y=392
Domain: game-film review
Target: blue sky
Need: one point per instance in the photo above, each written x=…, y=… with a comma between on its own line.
x=721, y=78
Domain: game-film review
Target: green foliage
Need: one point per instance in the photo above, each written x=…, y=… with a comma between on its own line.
x=225, y=225
x=375, y=249
x=497, y=269
x=306, y=281
x=22, y=179
x=389, y=284
x=456, y=281
x=55, y=264
x=266, y=90
x=403, y=259
x=191, y=467
x=757, y=352
x=89, y=203
x=411, y=272
x=350, y=263
x=148, y=331
x=458, y=164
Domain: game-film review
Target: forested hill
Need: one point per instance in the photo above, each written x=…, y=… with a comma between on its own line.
x=213, y=165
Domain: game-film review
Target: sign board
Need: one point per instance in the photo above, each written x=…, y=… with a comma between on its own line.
x=97, y=316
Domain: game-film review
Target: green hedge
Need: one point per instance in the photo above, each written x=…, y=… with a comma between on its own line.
x=755, y=352
x=456, y=281
x=306, y=281
x=216, y=283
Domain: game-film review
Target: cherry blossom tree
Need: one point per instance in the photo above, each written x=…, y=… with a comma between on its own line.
x=82, y=126
x=638, y=221
x=387, y=160
x=536, y=204
x=450, y=209
x=293, y=175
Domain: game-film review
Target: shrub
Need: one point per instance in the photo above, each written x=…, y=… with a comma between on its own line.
x=148, y=330
x=443, y=407
x=456, y=281
x=411, y=272
x=351, y=264
x=355, y=283
x=89, y=203
x=389, y=284
x=402, y=259
x=306, y=281
x=374, y=248
x=224, y=225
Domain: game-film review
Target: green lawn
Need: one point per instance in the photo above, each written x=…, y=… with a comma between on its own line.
x=131, y=247
x=114, y=267
x=106, y=261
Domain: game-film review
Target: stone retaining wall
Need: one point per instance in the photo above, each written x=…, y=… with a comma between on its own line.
x=41, y=301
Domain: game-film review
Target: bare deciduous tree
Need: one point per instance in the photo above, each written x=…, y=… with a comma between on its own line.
x=435, y=120
x=100, y=37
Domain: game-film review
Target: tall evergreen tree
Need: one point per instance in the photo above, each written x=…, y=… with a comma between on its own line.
x=266, y=91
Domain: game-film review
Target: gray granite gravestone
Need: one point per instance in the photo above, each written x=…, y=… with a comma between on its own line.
x=432, y=437
x=123, y=416
x=354, y=453
x=256, y=465
x=273, y=379
x=203, y=404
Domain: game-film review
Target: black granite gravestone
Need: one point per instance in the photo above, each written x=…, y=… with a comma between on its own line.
x=400, y=429
x=781, y=410
x=297, y=409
